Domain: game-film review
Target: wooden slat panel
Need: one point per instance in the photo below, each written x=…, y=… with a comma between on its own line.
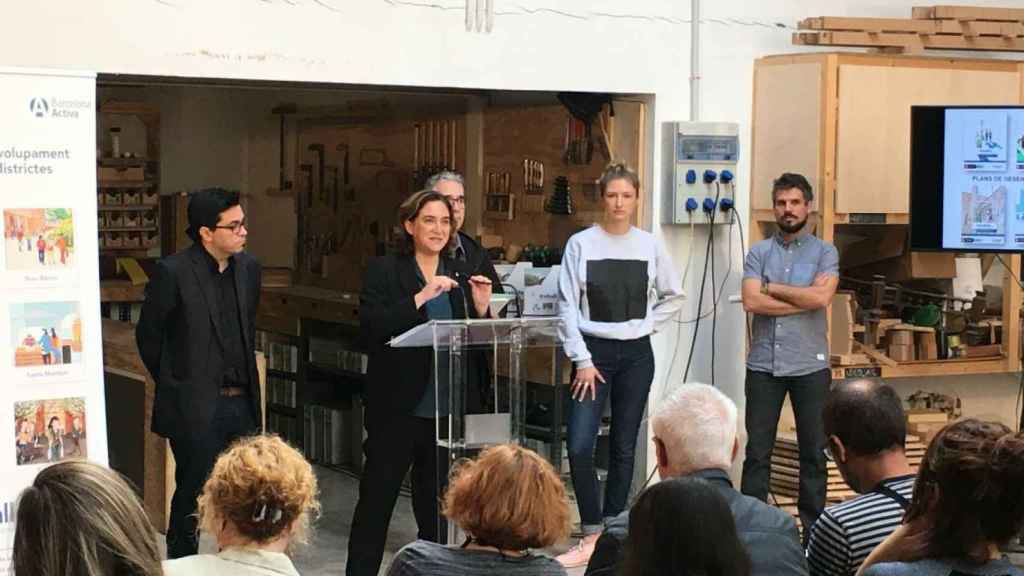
x=873, y=159
x=909, y=41
x=967, y=28
x=969, y=13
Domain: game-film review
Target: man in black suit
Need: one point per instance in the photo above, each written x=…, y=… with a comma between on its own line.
x=196, y=336
x=468, y=251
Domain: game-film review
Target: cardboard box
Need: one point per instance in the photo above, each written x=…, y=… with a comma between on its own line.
x=111, y=198
x=125, y=174
x=927, y=346
x=901, y=352
x=901, y=337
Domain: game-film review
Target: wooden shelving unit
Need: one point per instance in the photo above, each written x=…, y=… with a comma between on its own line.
x=843, y=120
x=128, y=195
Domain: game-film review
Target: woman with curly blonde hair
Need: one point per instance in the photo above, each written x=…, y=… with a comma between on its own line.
x=256, y=503
x=507, y=501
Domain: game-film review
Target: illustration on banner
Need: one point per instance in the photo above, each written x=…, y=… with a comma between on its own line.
x=39, y=238
x=49, y=430
x=46, y=333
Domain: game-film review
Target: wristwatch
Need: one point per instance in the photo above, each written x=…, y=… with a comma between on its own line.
x=764, y=286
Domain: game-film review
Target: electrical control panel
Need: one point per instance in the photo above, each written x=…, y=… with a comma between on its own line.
x=700, y=165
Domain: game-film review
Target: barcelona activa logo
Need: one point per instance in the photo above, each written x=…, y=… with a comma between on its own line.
x=39, y=107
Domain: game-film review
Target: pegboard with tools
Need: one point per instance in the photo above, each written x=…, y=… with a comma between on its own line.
x=701, y=172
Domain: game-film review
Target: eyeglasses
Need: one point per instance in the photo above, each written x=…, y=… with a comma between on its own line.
x=457, y=200
x=235, y=227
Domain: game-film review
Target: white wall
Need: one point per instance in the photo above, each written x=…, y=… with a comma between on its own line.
x=640, y=46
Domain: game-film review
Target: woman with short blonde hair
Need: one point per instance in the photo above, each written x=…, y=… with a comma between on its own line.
x=507, y=501
x=257, y=503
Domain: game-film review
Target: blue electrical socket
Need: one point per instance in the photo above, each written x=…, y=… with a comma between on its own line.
x=691, y=204
x=709, y=205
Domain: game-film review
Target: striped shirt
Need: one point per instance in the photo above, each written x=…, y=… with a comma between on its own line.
x=846, y=533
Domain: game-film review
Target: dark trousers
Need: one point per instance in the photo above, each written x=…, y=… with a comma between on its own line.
x=388, y=457
x=628, y=368
x=765, y=395
x=194, y=456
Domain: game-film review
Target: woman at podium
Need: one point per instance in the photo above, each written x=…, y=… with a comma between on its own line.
x=419, y=282
x=617, y=285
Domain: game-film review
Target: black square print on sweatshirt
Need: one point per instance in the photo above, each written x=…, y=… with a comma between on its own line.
x=617, y=290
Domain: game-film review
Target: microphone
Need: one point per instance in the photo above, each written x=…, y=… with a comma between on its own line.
x=461, y=277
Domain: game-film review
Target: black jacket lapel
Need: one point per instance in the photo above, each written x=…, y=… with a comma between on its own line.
x=208, y=287
x=242, y=295
x=405, y=267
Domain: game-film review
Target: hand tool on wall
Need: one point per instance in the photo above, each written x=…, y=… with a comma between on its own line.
x=415, y=148
x=343, y=148
x=452, y=156
x=318, y=149
x=444, y=144
x=283, y=110
x=335, y=188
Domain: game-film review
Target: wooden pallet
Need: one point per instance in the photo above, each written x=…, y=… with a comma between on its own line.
x=930, y=28
x=784, y=481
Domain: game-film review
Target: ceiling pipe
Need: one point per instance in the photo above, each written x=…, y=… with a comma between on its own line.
x=694, y=60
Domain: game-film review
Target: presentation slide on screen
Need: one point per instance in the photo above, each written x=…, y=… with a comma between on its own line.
x=983, y=179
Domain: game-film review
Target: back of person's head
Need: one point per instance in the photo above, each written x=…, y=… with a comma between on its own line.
x=866, y=416
x=510, y=498
x=683, y=526
x=264, y=488
x=697, y=426
x=81, y=519
x=205, y=207
x=968, y=492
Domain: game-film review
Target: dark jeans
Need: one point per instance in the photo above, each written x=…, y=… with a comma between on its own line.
x=765, y=395
x=628, y=368
x=388, y=457
x=194, y=457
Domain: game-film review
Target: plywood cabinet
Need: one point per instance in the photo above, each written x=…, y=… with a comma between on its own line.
x=873, y=136
x=843, y=121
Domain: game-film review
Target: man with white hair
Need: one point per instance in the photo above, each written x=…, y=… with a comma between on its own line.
x=695, y=435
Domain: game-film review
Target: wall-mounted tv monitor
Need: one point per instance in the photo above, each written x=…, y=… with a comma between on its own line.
x=967, y=178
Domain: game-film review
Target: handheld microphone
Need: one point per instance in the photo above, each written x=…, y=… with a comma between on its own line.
x=461, y=277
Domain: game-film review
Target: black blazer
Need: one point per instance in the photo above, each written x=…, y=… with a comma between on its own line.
x=397, y=378
x=179, y=339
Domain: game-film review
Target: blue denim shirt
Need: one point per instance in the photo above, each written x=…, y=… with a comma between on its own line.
x=796, y=344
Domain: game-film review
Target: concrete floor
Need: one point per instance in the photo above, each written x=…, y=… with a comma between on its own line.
x=328, y=548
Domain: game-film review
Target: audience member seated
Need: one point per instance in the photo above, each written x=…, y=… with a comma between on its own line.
x=967, y=502
x=682, y=527
x=257, y=502
x=695, y=436
x=507, y=501
x=81, y=519
x=866, y=431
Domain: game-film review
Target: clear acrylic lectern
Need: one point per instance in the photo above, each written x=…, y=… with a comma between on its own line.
x=461, y=434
